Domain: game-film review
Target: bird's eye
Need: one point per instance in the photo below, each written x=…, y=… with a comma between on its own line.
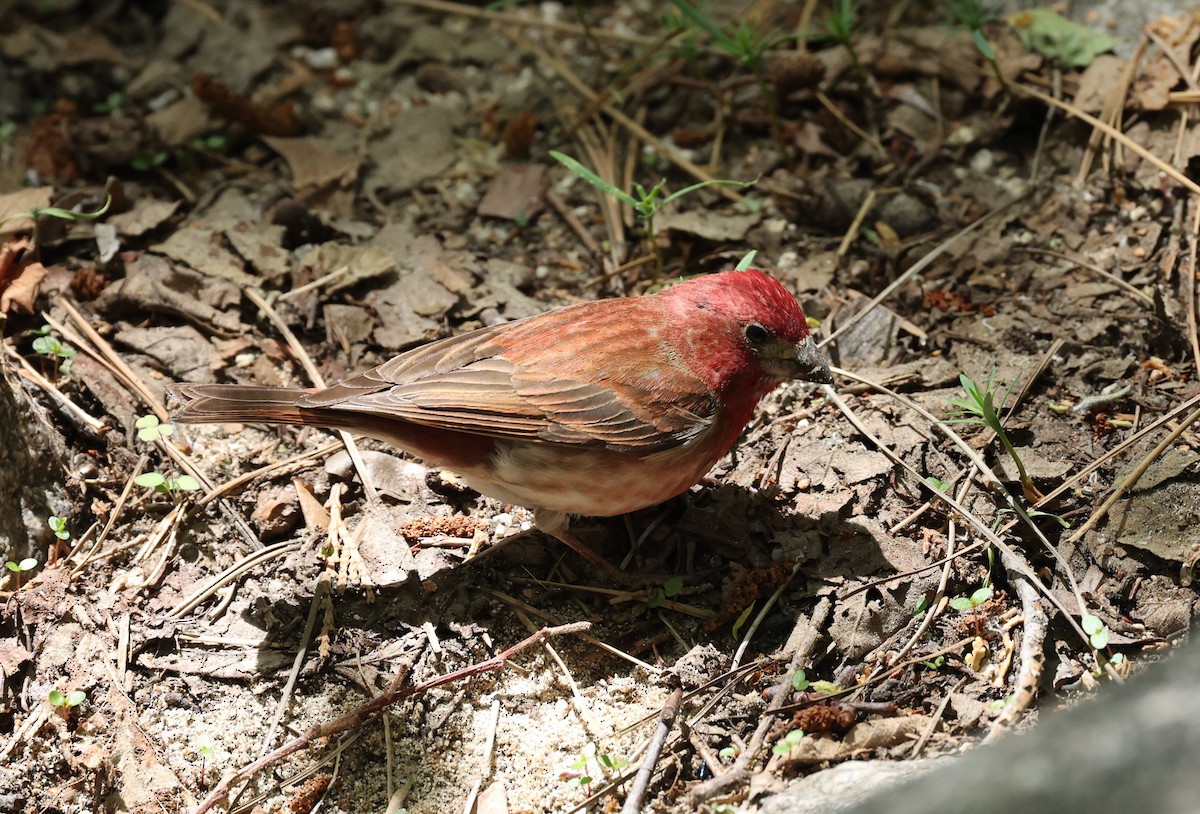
x=757, y=334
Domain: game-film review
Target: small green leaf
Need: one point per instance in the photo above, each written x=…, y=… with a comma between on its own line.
x=76, y=698
x=657, y=599
x=961, y=603
x=826, y=687
x=936, y=484
x=56, y=698
x=747, y=261
x=785, y=744
x=1051, y=34
x=59, y=526
x=673, y=586
x=1096, y=630
x=799, y=681
x=152, y=480
x=982, y=595
x=593, y=179
x=187, y=483
x=983, y=45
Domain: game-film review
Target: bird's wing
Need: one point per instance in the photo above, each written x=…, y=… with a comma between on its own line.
x=467, y=383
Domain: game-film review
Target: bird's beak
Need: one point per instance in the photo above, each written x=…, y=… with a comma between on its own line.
x=812, y=364
x=802, y=361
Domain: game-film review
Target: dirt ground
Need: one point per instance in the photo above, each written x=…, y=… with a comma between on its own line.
x=296, y=192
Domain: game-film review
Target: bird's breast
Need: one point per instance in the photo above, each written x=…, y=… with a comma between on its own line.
x=594, y=481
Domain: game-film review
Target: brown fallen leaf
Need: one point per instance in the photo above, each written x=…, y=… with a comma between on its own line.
x=19, y=282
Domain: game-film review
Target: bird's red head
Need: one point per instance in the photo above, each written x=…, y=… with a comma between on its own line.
x=746, y=331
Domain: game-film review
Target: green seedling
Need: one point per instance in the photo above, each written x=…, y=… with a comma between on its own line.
x=58, y=525
x=18, y=568
x=647, y=203
x=784, y=745
x=149, y=161
x=54, y=350
x=839, y=25
x=922, y=604
x=210, y=144
x=111, y=104
x=63, y=700
x=1034, y=513
x=747, y=261
x=980, y=407
x=729, y=753
x=670, y=588
x=935, y=664
x=61, y=214
x=580, y=772
x=966, y=603
x=973, y=15
x=1096, y=630
x=800, y=681
x=743, y=42
x=165, y=485
x=150, y=429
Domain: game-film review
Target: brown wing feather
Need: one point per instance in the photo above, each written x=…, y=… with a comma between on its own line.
x=471, y=383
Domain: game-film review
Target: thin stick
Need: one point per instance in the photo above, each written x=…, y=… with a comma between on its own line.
x=641, y=781
x=1191, y=282
x=856, y=224
x=27, y=371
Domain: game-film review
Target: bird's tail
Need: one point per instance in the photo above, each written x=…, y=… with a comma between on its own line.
x=227, y=403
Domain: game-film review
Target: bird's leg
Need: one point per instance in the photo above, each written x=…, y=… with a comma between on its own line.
x=557, y=525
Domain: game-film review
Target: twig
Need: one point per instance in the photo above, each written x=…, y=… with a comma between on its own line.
x=641, y=781
x=270, y=469
x=1032, y=657
x=231, y=573
x=319, y=595
x=1191, y=282
x=856, y=224
x=27, y=371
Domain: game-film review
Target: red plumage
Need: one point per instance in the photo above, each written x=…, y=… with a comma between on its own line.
x=599, y=408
